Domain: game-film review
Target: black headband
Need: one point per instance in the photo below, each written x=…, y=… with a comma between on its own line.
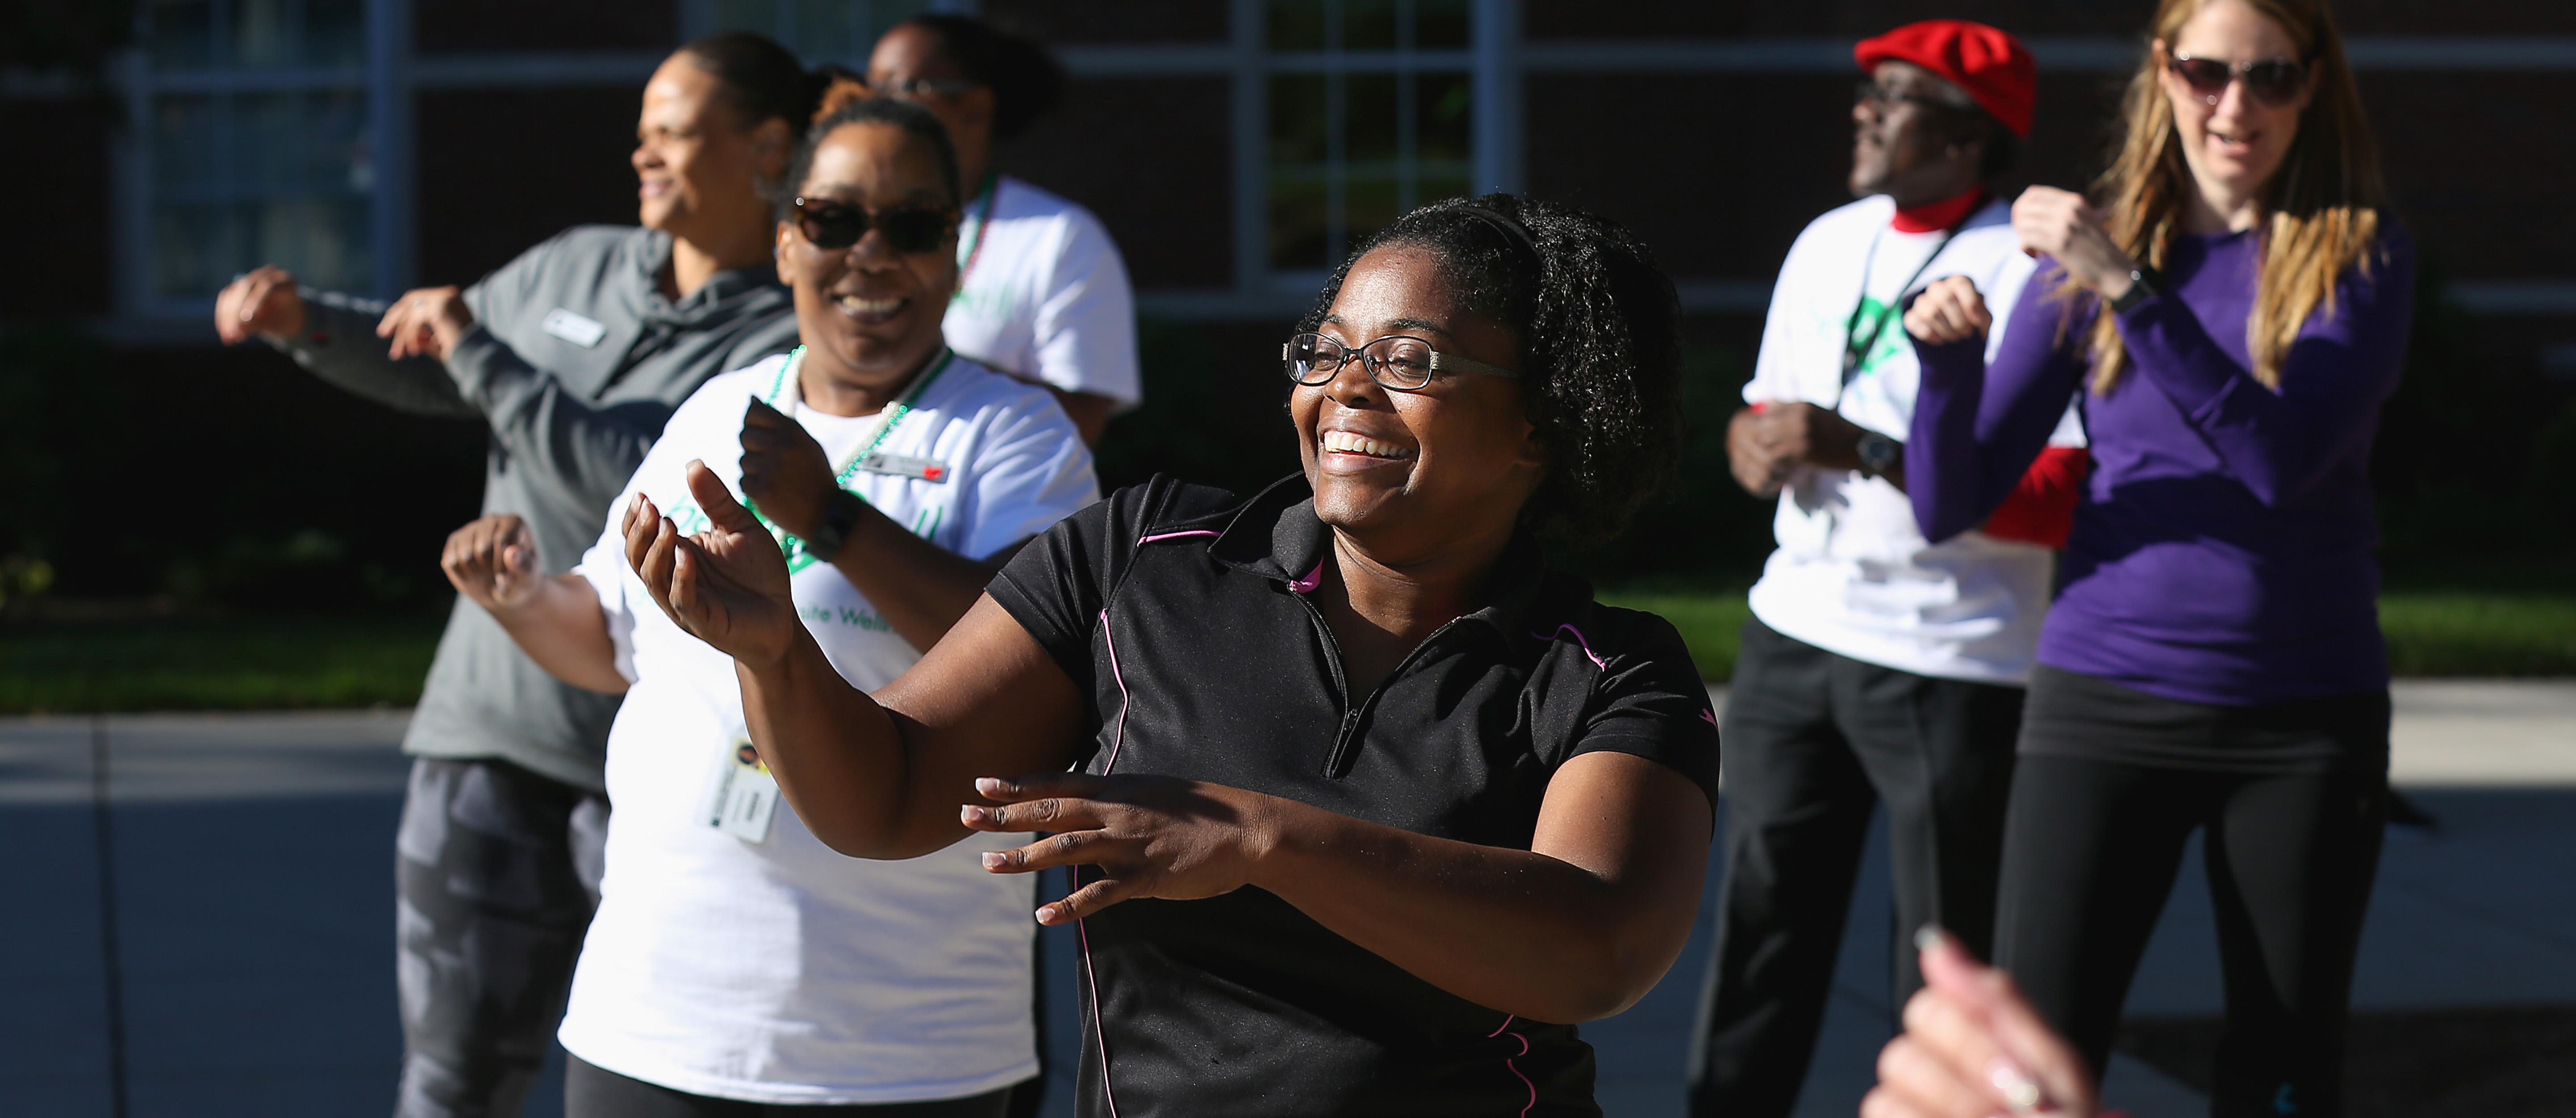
x=1512, y=231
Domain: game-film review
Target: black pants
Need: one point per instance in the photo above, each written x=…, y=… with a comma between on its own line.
x=496, y=875
x=2092, y=846
x=591, y=1091
x=1812, y=741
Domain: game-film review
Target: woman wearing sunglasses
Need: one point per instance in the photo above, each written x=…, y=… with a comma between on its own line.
x=1042, y=293
x=737, y=964
x=2236, y=313
x=1365, y=805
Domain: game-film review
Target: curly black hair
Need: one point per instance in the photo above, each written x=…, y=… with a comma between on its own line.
x=1601, y=352
x=1025, y=79
x=910, y=117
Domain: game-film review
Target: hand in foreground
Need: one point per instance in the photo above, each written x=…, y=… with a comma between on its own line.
x=1151, y=836
x=1949, y=311
x=426, y=322
x=263, y=301
x=726, y=586
x=2063, y=225
x=493, y=562
x=1769, y=441
x=784, y=470
x=1973, y=1048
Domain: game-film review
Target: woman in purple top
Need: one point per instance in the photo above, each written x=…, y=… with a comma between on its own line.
x=2235, y=319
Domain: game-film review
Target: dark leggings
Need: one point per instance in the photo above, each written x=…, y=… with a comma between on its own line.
x=591, y=1091
x=2091, y=848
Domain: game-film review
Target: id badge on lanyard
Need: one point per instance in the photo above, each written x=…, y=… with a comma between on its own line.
x=742, y=798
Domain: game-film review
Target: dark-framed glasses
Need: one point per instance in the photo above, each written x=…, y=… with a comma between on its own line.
x=1398, y=361
x=1869, y=92
x=917, y=89
x=2273, y=82
x=909, y=229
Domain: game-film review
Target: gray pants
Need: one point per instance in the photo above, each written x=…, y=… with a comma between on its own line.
x=497, y=873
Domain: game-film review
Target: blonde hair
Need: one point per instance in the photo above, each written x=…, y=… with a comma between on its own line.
x=2322, y=203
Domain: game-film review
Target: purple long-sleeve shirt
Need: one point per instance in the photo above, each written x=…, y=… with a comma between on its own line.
x=2221, y=551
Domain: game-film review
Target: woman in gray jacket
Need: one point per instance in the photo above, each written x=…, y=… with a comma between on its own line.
x=574, y=354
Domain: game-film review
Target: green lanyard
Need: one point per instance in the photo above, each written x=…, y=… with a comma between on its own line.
x=894, y=413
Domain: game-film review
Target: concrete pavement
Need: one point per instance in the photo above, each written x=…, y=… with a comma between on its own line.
x=252, y=859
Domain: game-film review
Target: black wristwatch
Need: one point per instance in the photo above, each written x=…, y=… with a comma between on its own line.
x=840, y=514
x=2143, y=285
x=1878, y=454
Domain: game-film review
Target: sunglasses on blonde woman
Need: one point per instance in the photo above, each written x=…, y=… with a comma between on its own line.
x=2273, y=82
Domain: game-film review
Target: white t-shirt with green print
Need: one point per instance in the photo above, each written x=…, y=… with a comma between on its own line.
x=1853, y=574
x=764, y=966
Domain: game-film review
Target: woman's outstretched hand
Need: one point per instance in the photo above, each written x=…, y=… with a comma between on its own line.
x=1949, y=311
x=1974, y=1049
x=727, y=585
x=1151, y=836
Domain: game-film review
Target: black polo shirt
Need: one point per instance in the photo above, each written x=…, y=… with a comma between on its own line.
x=1185, y=613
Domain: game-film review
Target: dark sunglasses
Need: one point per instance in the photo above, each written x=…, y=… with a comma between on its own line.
x=908, y=229
x=2273, y=82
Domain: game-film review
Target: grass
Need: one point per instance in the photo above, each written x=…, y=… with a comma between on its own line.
x=230, y=664
x=2430, y=632
x=277, y=663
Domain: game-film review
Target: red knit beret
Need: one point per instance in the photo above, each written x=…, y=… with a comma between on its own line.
x=1992, y=66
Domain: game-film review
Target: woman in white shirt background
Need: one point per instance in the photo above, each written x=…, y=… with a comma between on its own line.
x=1043, y=294
x=738, y=967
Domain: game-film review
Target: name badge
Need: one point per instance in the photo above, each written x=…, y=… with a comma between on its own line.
x=742, y=798
x=574, y=328
x=904, y=465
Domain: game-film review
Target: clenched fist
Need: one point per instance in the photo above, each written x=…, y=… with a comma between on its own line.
x=493, y=561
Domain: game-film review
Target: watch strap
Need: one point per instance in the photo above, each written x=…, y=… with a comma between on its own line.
x=840, y=514
x=2144, y=284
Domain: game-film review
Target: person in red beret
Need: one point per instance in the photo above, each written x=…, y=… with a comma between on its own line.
x=1878, y=666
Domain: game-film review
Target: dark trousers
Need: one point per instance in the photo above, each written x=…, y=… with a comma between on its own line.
x=1811, y=741
x=591, y=1091
x=497, y=874
x=2091, y=850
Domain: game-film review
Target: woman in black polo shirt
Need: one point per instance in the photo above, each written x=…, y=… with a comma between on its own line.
x=1369, y=803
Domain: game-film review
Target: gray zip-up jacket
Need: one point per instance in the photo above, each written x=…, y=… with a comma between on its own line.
x=575, y=361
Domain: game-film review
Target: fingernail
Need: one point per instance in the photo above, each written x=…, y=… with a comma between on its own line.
x=1046, y=913
x=993, y=859
x=1928, y=937
x=2019, y=1090
x=990, y=785
x=974, y=814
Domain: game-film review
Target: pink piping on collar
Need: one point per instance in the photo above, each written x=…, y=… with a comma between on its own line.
x=1515, y=1068
x=1586, y=645
x=1176, y=535
x=1313, y=579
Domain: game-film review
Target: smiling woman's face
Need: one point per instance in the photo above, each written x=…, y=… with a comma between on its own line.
x=868, y=312
x=1415, y=472
x=2240, y=141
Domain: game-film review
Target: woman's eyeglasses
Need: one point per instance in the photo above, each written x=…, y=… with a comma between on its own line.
x=908, y=229
x=2273, y=82
x=1398, y=361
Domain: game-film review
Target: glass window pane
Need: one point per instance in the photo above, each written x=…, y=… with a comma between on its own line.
x=1298, y=220
x=1440, y=24
x=1296, y=25
x=335, y=33
x=1368, y=25
x=1297, y=123
x=182, y=34
x=1369, y=118
x=1434, y=187
x=256, y=178
x=1444, y=125
x=1370, y=204
x=264, y=34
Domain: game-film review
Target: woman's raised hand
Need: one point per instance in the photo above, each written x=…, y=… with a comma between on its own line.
x=727, y=585
x=426, y=322
x=1948, y=311
x=1973, y=1048
x=493, y=562
x=2063, y=225
x=1151, y=836
x=263, y=301
x=784, y=470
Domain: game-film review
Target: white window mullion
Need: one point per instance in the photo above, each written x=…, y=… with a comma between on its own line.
x=392, y=215
x=1495, y=29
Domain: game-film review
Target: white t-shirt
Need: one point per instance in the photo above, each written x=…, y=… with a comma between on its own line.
x=1853, y=574
x=1044, y=295
x=779, y=971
